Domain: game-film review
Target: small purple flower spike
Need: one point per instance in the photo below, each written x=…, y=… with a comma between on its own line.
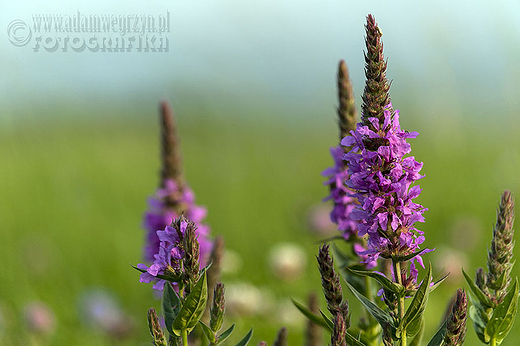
x=340, y=194
x=174, y=197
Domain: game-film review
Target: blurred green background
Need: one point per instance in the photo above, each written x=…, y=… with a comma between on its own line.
x=253, y=87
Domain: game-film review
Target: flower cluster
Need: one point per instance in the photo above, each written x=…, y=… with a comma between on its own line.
x=340, y=194
x=381, y=177
x=178, y=257
x=168, y=259
x=164, y=207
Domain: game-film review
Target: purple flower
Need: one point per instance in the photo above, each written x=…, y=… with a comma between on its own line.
x=168, y=258
x=162, y=212
x=340, y=194
x=381, y=177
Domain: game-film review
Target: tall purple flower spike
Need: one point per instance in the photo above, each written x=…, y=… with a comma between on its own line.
x=174, y=197
x=382, y=178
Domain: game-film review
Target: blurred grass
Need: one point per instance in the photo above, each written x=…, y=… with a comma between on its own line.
x=73, y=192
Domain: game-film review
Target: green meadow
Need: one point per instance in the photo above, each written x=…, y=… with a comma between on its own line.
x=73, y=190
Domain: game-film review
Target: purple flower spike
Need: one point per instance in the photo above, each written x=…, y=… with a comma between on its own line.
x=382, y=178
x=337, y=175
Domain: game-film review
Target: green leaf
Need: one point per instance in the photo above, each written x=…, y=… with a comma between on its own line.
x=225, y=334
x=408, y=257
x=415, y=327
x=327, y=320
x=477, y=292
x=208, y=332
x=193, y=307
x=352, y=341
x=246, y=339
x=413, y=315
x=418, y=338
x=438, y=282
x=170, y=278
x=504, y=316
x=310, y=315
x=171, y=305
x=480, y=320
x=383, y=280
x=380, y=315
x=436, y=340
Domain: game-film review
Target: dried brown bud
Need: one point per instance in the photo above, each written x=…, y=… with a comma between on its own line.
x=340, y=329
x=456, y=326
x=218, y=308
x=281, y=337
x=313, y=332
x=158, y=338
x=329, y=280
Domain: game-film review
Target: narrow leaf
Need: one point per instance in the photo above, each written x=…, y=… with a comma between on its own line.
x=193, y=307
x=504, y=316
x=327, y=320
x=310, y=315
x=352, y=341
x=380, y=315
x=438, y=282
x=477, y=292
x=415, y=311
x=437, y=339
x=408, y=257
x=246, y=339
x=208, y=332
x=383, y=280
x=170, y=278
x=225, y=334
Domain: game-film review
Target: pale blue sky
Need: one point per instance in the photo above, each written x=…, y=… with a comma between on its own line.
x=224, y=51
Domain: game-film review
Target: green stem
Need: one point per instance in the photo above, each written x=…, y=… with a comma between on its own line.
x=397, y=274
x=185, y=337
x=493, y=342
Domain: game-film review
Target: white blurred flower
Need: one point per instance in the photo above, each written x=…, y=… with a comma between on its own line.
x=39, y=318
x=287, y=261
x=288, y=315
x=244, y=299
x=100, y=310
x=232, y=262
